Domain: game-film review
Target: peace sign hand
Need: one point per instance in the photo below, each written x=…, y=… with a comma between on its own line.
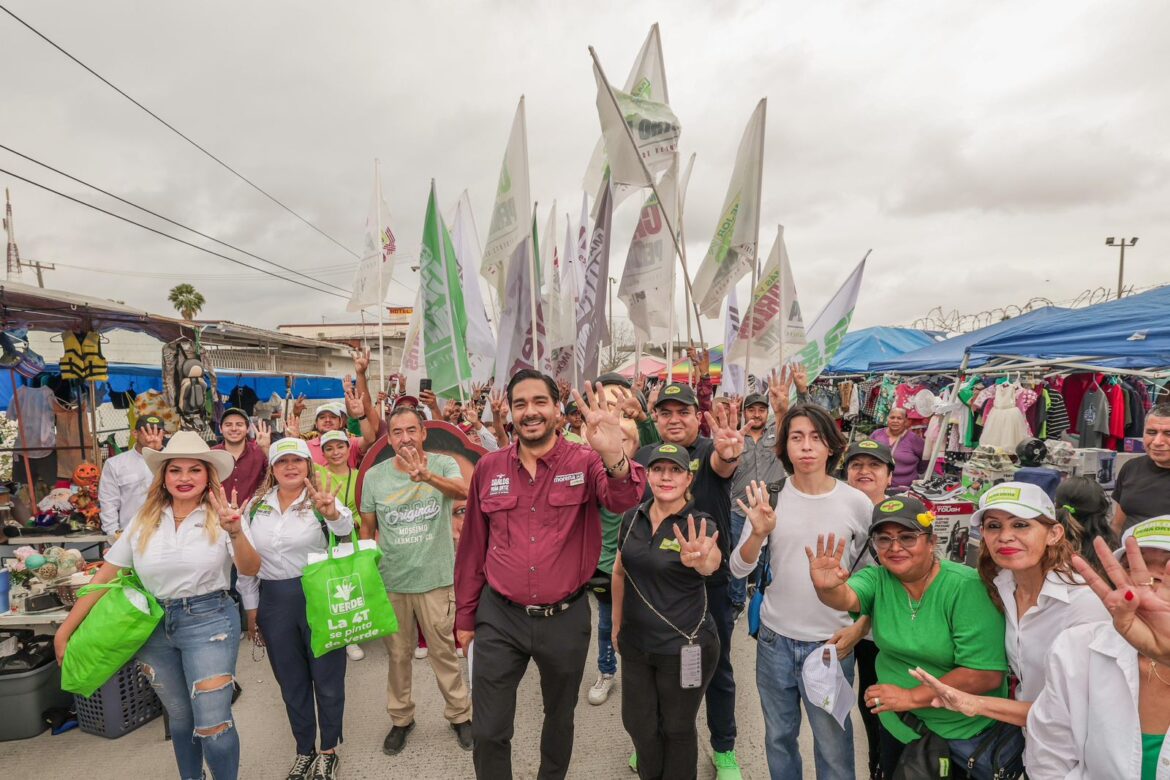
x=824, y=566
x=414, y=463
x=229, y=513
x=1140, y=602
x=758, y=509
x=694, y=548
x=325, y=500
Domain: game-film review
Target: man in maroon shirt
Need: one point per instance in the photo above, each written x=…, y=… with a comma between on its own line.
x=251, y=456
x=531, y=540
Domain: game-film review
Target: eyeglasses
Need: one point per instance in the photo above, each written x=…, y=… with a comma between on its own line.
x=905, y=540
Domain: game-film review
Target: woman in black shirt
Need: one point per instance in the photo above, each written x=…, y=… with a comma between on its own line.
x=664, y=629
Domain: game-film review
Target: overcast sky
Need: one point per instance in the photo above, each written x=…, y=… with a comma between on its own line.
x=982, y=150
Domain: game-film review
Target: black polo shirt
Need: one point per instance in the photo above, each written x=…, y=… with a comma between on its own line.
x=651, y=560
x=712, y=494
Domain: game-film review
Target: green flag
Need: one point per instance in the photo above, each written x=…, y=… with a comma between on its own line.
x=444, y=318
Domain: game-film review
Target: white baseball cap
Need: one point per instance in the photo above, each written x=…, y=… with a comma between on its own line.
x=333, y=407
x=1154, y=533
x=1021, y=499
x=288, y=446
x=329, y=436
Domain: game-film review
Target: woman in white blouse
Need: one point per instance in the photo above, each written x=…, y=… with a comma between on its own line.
x=290, y=518
x=182, y=544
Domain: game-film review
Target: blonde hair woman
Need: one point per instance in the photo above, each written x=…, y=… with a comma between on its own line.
x=182, y=544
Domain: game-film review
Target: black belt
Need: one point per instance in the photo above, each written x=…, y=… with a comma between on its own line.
x=543, y=610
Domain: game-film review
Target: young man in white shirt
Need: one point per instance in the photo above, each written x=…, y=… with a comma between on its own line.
x=125, y=478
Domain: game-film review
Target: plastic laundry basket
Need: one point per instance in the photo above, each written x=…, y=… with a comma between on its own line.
x=121, y=705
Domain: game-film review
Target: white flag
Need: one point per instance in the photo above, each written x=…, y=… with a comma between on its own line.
x=412, y=367
x=481, y=342
x=378, y=248
x=733, y=248
x=733, y=381
x=772, y=322
x=647, y=80
x=518, y=348
x=583, y=232
x=564, y=324
x=831, y=325
x=510, y=214
x=649, y=273
x=593, y=331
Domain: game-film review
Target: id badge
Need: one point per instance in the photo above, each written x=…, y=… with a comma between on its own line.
x=691, y=666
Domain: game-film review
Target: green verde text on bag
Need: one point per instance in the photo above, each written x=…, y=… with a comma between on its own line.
x=115, y=629
x=345, y=599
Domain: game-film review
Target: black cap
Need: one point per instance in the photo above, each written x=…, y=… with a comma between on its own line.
x=682, y=394
x=148, y=419
x=873, y=449
x=675, y=453
x=755, y=398
x=614, y=378
x=570, y=407
x=905, y=511
x=233, y=410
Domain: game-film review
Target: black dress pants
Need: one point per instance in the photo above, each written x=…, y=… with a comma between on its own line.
x=721, y=691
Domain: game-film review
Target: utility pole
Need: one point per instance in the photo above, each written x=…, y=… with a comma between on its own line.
x=40, y=267
x=14, y=263
x=1121, y=244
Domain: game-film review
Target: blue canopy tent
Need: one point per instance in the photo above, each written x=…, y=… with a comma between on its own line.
x=948, y=355
x=1129, y=333
x=861, y=348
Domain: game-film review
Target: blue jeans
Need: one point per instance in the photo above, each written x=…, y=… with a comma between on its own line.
x=194, y=647
x=779, y=663
x=606, y=658
x=737, y=592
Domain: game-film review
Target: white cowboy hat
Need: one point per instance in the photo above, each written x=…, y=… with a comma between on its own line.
x=188, y=444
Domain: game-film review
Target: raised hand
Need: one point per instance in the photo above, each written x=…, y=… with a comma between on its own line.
x=324, y=500
x=630, y=405
x=654, y=393
x=292, y=424
x=152, y=436
x=499, y=402
x=564, y=389
x=299, y=405
x=263, y=435
x=779, y=389
x=824, y=566
x=1139, y=602
x=603, y=429
x=449, y=408
x=695, y=546
x=639, y=382
x=758, y=509
x=229, y=512
x=704, y=364
x=414, y=463
x=361, y=361
x=428, y=399
x=355, y=405
x=727, y=437
x=800, y=378
x=471, y=414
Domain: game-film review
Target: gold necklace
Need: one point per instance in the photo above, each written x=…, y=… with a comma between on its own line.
x=1154, y=672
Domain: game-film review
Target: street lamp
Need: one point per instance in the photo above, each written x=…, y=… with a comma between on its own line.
x=1122, y=243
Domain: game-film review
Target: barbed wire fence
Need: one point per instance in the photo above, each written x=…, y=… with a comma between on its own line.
x=954, y=321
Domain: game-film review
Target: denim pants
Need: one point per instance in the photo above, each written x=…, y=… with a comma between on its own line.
x=197, y=641
x=606, y=658
x=737, y=592
x=779, y=665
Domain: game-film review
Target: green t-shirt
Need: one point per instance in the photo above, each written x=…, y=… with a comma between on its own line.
x=956, y=624
x=414, y=526
x=344, y=484
x=610, y=524
x=1151, y=751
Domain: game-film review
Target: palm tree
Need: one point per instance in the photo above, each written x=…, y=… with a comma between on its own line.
x=187, y=300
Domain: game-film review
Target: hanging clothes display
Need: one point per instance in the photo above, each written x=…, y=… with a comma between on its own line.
x=83, y=357
x=36, y=420
x=1005, y=426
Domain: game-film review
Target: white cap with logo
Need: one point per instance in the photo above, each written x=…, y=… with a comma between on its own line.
x=1154, y=533
x=288, y=446
x=1021, y=499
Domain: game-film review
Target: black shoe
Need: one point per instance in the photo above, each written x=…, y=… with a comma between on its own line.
x=237, y=691
x=326, y=768
x=737, y=612
x=302, y=767
x=463, y=734
x=396, y=739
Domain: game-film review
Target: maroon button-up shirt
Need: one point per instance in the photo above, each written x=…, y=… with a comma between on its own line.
x=246, y=477
x=536, y=540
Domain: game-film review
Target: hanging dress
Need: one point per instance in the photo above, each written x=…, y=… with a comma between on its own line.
x=1006, y=425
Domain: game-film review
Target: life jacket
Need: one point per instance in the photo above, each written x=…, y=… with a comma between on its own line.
x=83, y=357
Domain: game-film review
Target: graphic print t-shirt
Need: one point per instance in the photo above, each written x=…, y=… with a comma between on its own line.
x=414, y=526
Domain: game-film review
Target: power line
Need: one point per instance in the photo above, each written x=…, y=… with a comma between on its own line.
x=163, y=218
x=176, y=130
x=225, y=277
x=173, y=238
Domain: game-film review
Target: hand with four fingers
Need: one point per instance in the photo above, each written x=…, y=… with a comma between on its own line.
x=414, y=463
x=230, y=513
x=695, y=546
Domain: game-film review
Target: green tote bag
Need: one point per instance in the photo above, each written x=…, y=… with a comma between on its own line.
x=345, y=599
x=114, y=630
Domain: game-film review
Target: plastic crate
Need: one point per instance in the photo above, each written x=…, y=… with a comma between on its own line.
x=121, y=705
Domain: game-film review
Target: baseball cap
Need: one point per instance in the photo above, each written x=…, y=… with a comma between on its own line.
x=754, y=399
x=406, y=400
x=233, y=410
x=1019, y=498
x=905, y=511
x=150, y=419
x=677, y=455
x=614, y=378
x=872, y=448
x=329, y=436
x=571, y=407
x=682, y=394
x=288, y=446
x=1154, y=533
x=333, y=407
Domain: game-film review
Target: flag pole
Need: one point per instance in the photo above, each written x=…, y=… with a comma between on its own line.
x=532, y=291
x=747, y=371
x=782, y=319
x=447, y=282
x=381, y=286
x=653, y=188
x=570, y=264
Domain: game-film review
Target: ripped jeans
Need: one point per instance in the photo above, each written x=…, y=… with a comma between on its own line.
x=190, y=660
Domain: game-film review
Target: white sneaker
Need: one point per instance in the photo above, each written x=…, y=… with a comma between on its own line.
x=600, y=690
x=420, y=653
x=354, y=652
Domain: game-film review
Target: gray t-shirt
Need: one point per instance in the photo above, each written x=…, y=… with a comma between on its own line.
x=1094, y=419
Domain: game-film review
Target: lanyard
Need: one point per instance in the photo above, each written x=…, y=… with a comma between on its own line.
x=702, y=618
